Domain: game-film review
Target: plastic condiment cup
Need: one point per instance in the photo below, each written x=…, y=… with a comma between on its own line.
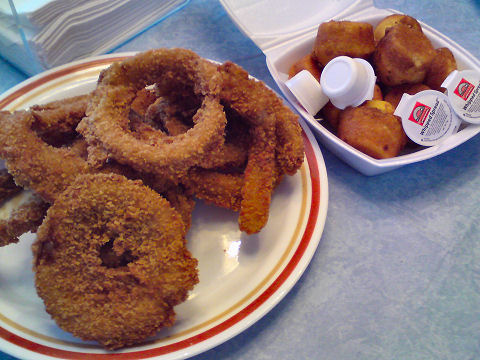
x=307, y=91
x=427, y=117
x=463, y=90
x=348, y=81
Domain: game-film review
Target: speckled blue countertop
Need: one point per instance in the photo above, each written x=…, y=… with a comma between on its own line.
x=397, y=271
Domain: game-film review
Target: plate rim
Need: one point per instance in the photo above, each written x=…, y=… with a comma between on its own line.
x=235, y=324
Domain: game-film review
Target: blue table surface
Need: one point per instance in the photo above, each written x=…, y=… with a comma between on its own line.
x=397, y=272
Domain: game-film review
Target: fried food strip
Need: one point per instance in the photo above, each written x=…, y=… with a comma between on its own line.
x=259, y=179
x=250, y=97
x=220, y=189
x=258, y=106
x=57, y=120
x=182, y=202
x=26, y=217
x=107, y=119
x=33, y=163
x=289, y=148
x=8, y=188
x=131, y=265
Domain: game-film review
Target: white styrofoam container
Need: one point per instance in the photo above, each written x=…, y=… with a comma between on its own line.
x=286, y=32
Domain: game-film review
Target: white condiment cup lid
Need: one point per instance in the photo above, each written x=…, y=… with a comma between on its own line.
x=347, y=81
x=308, y=91
x=463, y=91
x=427, y=117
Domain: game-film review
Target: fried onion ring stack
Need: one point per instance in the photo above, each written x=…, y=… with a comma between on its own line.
x=112, y=178
x=193, y=118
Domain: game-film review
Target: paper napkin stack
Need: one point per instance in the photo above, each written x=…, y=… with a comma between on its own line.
x=39, y=34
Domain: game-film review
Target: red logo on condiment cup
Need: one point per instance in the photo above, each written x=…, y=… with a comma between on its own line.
x=464, y=89
x=419, y=113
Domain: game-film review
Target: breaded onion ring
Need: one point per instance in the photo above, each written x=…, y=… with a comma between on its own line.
x=168, y=114
x=55, y=121
x=220, y=189
x=252, y=100
x=259, y=179
x=277, y=145
x=107, y=120
x=110, y=261
x=182, y=202
x=26, y=216
x=8, y=188
x=34, y=163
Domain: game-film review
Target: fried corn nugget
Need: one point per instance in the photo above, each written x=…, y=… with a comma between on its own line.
x=393, y=20
x=373, y=132
x=442, y=65
x=403, y=56
x=381, y=105
x=308, y=63
x=394, y=95
x=332, y=114
x=336, y=38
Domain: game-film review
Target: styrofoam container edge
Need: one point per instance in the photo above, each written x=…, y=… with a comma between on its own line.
x=287, y=49
x=281, y=58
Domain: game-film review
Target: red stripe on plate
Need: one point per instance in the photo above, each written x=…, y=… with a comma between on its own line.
x=62, y=72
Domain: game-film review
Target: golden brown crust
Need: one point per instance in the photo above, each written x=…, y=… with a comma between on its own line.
x=393, y=20
x=26, y=217
x=373, y=132
x=309, y=63
x=8, y=188
x=394, y=94
x=336, y=38
x=170, y=116
x=403, y=56
x=277, y=145
x=34, y=163
x=252, y=100
x=107, y=123
x=56, y=121
x=110, y=261
x=332, y=114
x=259, y=178
x=220, y=189
x=144, y=98
x=442, y=65
x=182, y=202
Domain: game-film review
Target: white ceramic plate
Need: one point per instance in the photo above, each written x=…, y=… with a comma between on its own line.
x=282, y=49
x=241, y=277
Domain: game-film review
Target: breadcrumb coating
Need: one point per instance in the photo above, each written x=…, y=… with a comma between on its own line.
x=111, y=261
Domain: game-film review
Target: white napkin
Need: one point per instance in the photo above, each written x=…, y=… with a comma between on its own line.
x=47, y=33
